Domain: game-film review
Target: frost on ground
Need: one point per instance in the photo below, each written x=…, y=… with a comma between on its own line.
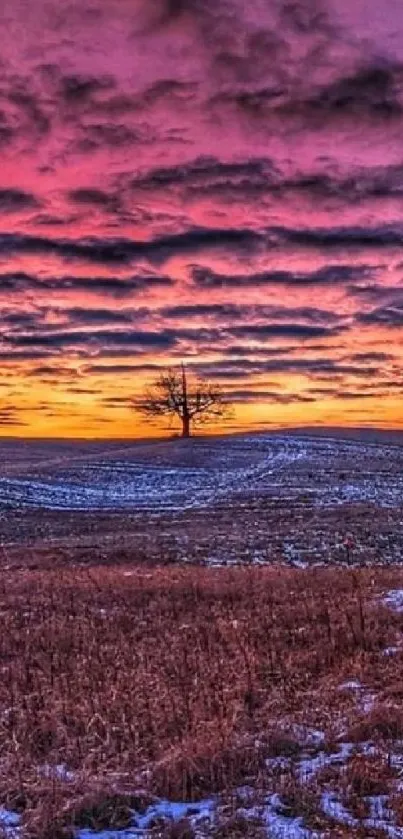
x=327, y=472
x=219, y=501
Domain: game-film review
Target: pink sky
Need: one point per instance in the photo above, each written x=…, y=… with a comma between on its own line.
x=247, y=156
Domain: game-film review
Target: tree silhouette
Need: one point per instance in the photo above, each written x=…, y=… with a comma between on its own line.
x=192, y=400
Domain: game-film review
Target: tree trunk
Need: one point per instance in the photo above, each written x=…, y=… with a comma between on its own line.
x=185, y=426
x=185, y=407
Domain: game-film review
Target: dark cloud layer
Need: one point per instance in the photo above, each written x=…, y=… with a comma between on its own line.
x=284, y=330
x=374, y=90
x=118, y=287
x=110, y=251
x=385, y=316
x=272, y=397
x=121, y=251
x=329, y=275
x=257, y=178
x=77, y=89
x=10, y=416
x=240, y=369
x=227, y=312
x=208, y=174
x=16, y=200
x=376, y=237
x=143, y=340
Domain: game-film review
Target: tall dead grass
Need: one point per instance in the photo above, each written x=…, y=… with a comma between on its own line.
x=180, y=682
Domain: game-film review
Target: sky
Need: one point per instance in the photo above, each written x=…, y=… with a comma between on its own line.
x=212, y=181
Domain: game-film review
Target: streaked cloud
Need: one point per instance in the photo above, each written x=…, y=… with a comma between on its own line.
x=220, y=182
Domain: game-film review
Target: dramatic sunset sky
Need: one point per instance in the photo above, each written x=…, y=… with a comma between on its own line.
x=218, y=181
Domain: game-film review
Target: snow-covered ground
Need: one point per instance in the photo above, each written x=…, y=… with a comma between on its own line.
x=316, y=472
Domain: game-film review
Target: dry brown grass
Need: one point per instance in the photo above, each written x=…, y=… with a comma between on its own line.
x=383, y=722
x=182, y=681
x=239, y=826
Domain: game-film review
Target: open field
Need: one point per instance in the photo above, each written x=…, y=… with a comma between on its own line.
x=259, y=499
x=188, y=647
x=191, y=702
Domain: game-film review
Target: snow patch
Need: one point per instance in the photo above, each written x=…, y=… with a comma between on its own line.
x=380, y=817
x=9, y=824
x=283, y=827
x=170, y=811
x=394, y=599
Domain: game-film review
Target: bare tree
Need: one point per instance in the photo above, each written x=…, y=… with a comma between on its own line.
x=192, y=400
